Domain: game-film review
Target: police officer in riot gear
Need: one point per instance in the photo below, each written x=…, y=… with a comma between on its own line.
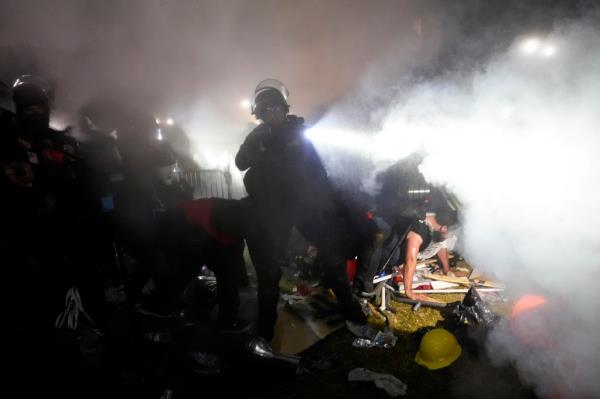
x=288, y=185
x=40, y=164
x=41, y=209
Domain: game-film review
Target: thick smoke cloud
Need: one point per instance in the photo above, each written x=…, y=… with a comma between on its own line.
x=517, y=141
x=514, y=136
x=196, y=60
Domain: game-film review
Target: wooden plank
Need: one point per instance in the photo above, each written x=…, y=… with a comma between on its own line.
x=463, y=281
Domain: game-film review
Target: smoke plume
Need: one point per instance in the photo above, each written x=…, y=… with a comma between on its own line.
x=517, y=141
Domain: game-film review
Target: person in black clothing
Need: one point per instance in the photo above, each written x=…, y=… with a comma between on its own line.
x=288, y=185
x=408, y=209
x=207, y=232
x=43, y=214
x=41, y=207
x=396, y=243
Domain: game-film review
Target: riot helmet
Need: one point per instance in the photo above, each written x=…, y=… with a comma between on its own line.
x=29, y=90
x=32, y=102
x=270, y=93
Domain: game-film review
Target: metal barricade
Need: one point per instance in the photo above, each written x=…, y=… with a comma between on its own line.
x=208, y=183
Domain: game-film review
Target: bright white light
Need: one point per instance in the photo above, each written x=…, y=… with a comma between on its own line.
x=506, y=112
x=245, y=103
x=196, y=157
x=310, y=133
x=391, y=144
x=425, y=191
x=170, y=121
x=215, y=159
x=159, y=135
x=549, y=51
x=530, y=46
x=352, y=141
x=157, y=121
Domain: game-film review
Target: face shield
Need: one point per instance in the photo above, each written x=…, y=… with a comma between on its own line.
x=266, y=92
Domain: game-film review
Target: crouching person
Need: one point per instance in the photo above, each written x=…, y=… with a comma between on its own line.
x=204, y=232
x=409, y=240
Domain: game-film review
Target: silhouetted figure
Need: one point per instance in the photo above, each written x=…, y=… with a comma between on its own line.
x=288, y=185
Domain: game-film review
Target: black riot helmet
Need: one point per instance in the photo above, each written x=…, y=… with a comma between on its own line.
x=29, y=90
x=32, y=104
x=269, y=92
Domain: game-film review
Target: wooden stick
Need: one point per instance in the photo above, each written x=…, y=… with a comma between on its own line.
x=463, y=281
x=457, y=291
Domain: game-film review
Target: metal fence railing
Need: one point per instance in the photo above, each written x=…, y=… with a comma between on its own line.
x=208, y=183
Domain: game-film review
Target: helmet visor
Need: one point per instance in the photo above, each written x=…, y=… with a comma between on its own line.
x=266, y=86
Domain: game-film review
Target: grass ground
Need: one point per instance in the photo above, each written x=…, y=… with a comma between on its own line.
x=472, y=376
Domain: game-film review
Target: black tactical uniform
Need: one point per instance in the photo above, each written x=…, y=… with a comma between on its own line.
x=41, y=209
x=288, y=185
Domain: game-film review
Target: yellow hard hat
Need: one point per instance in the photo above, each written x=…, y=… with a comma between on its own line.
x=438, y=349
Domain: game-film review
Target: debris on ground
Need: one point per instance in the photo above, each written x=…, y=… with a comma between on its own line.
x=404, y=320
x=390, y=384
x=361, y=330
x=473, y=310
x=385, y=338
x=381, y=339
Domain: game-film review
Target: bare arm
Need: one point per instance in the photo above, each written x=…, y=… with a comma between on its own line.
x=432, y=220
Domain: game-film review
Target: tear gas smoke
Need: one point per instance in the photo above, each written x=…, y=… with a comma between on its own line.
x=194, y=61
x=518, y=144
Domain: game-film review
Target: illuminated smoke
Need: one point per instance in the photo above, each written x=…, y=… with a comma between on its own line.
x=518, y=144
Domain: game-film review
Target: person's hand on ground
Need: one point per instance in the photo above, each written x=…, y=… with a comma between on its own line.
x=420, y=297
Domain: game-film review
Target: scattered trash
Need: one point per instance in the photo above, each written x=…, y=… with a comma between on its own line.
x=431, y=304
x=442, y=285
x=363, y=343
x=416, y=306
x=361, y=330
x=473, y=310
x=292, y=299
x=390, y=384
x=383, y=339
